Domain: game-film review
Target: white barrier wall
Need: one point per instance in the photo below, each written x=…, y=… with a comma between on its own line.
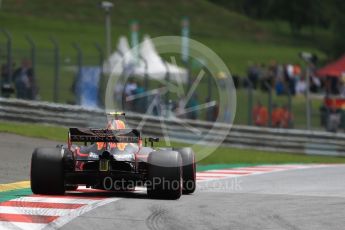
x=280, y=140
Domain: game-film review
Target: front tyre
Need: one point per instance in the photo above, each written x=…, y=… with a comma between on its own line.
x=47, y=172
x=164, y=175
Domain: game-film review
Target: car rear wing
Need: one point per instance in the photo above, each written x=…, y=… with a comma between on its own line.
x=104, y=135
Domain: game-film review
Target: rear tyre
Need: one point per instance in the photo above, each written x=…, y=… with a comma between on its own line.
x=47, y=172
x=189, y=169
x=164, y=175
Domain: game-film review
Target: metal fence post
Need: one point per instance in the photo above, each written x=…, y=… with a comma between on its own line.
x=250, y=102
x=56, y=69
x=80, y=65
x=9, y=54
x=33, y=63
x=79, y=56
x=146, y=77
x=101, y=56
x=167, y=79
x=101, y=80
x=123, y=97
x=269, y=88
x=32, y=53
x=290, y=106
x=307, y=98
x=209, y=87
x=310, y=59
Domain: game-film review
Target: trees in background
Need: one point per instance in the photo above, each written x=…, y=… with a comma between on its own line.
x=338, y=27
x=327, y=14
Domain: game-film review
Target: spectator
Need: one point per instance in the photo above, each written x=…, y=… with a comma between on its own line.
x=290, y=78
x=5, y=82
x=279, y=87
x=342, y=89
x=334, y=119
x=264, y=77
x=180, y=108
x=297, y=72
x=156, y=102
x=192, y=104
x=324, y=113
x=253, y=74
x=255, y=111
x=139, y=103
x=334, y=82
x=342, y=86
x=24, y=81
x=130, y=88
x=277, y=116
x=280, y=72
x=260, y=115
x=272, y=73
x=315, y=83
x=287, y=118
x=118, y=93
x=301, y=86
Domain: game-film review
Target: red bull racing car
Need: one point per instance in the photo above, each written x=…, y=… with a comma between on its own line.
x=113, y=158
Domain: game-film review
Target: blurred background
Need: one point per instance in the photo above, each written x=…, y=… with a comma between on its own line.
x=285, y=57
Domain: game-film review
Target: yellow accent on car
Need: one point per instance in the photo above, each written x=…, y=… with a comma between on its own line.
x=104, y=165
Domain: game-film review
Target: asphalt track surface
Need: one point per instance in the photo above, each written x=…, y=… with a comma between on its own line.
x=295, y=199
x=15, y=152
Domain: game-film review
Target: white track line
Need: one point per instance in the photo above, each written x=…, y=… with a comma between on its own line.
x=65, y=219
x=20, y=226
x=220, y=174
x=55, y=200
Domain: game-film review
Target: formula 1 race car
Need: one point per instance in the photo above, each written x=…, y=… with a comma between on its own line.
x=113, y=159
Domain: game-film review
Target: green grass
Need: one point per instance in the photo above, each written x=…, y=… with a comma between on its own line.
x=222, y=155
x=237, y=55
x=238, y=40
x=234, y=37
x=243, y=156
x=34, y=130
